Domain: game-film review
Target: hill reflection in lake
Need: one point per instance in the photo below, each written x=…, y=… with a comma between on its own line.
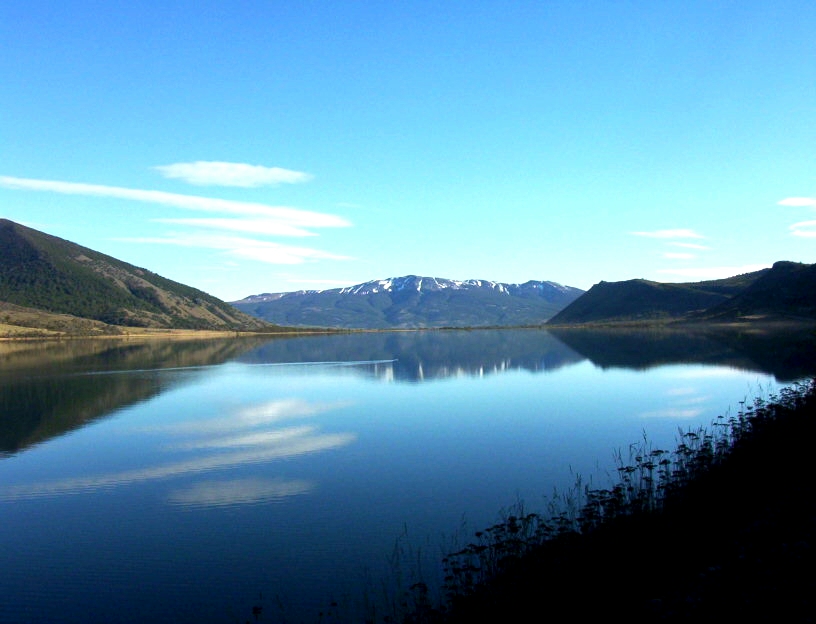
x=788, y=354
x=36, y=404
x=426, y=355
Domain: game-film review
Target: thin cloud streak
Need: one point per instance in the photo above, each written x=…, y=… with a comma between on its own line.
x=798, y=202
x=256, y=226
x=801, y=229
x=290, y=216
x=678, y=256
x=216, y=173
x=239, y=247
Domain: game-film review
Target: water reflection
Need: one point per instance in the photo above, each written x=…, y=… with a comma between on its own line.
x=246, y=436
x=787, y=354
x=427, y=355
x=681, y=403
x=38, y=402
x=430, y=355
x=42, y=358
x=231, y=492
x=263, y=413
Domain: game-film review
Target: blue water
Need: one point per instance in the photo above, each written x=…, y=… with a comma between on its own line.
x=274, y=476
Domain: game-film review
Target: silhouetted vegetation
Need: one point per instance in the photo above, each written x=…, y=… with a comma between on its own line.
x=721, y=527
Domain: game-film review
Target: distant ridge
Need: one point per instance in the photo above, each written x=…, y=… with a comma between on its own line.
x=785, y=291
x=414, y=301
x=42, y=272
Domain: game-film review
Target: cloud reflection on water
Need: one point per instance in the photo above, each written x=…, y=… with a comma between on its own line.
x=681, y=402
x=259, y=438
x=248, y=439
x=230, y=492
x=673, y=412
x=250, y=416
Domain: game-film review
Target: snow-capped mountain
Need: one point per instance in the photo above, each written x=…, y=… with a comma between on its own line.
x=413, y=301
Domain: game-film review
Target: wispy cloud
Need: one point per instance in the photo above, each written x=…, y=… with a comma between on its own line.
x=706, y=273
x=215, y=173
x=240, y=247
x=798, y=202
x=291, y=216
x=668, y=238
x=678, y=233
x=805, y=229
x=256, y=226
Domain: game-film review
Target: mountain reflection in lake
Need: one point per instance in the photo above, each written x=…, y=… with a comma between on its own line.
x=178, y=481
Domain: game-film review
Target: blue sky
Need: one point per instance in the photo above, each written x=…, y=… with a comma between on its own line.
x=248, y=147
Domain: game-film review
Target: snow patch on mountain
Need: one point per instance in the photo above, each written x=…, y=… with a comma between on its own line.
x=421, y=285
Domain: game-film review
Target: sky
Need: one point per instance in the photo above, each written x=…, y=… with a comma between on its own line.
x=252, y=147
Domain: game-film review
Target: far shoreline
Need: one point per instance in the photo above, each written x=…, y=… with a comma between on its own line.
x=755, y=324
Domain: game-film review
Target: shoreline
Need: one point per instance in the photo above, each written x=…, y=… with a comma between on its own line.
x=753, y=325
x=719, y=528
x=161, y=333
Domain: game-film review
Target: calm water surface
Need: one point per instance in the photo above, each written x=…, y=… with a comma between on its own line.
x=189, y=481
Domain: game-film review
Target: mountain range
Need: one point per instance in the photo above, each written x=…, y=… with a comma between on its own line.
x=50, y=286
x=49, y=282
x=412, y=302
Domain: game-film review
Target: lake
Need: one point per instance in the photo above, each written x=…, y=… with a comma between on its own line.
x=189, y=481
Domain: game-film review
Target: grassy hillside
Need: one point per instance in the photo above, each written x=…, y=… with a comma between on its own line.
x=643, y=300
x=637, y=300
x=787, y=289
x=20, y=322
x=52, y=275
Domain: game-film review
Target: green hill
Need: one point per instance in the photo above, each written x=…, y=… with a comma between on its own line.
x=636, y=300
x=55, y=276
x=785, y=291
